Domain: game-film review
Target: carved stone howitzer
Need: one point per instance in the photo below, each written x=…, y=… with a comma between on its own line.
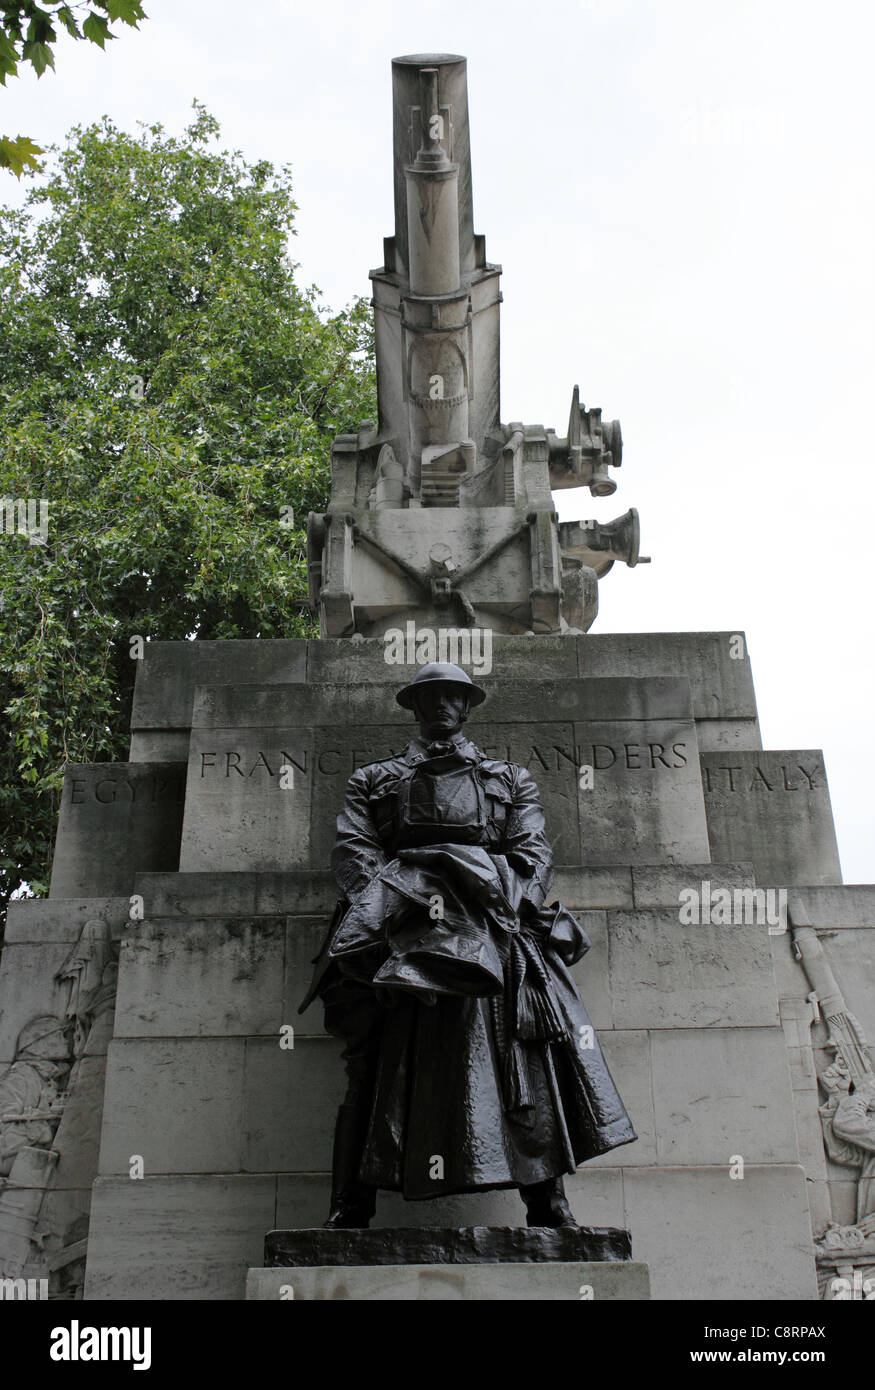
x=504, y=560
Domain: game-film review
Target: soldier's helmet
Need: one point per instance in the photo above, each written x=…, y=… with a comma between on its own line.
x=46, y=1037
x=440, y=673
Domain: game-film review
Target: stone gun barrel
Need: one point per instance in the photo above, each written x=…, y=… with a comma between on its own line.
x=424, y=86
x=433, y=200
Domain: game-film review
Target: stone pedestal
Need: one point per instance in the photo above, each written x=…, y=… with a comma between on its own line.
x=469, y=1262
x=555, y=1282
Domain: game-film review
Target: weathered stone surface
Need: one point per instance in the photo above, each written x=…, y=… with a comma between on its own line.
x=595, y=886
x=704, y=1108
x=645, y=803
x=707, y=1236
x=177, y=1238
x=668, y=975
x=714, y=735
x=213, y=978
x=601, y=1281
x=218, y=977
x=444, y=1245
x=773, y=809
x=722, y=686
x=42, y=919
x=290, y=1100
x=851, y=905
x=175, y=1102
x=511, y=659
x=116, y=819
x=238, y=814
x=244, y=894
x=660, y=885
x=169, y=671
x=511, y=702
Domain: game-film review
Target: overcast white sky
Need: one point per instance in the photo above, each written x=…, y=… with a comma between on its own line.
x=681, y=195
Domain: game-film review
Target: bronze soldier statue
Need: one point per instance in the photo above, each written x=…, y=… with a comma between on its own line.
x=471, y=1061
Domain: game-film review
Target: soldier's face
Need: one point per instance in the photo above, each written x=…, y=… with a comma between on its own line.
x=441, y=710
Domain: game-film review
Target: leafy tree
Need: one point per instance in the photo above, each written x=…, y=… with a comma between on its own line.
x=171, y=391
x=27, y=32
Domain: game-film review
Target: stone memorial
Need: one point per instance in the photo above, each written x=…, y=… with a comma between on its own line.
x=167, y=1116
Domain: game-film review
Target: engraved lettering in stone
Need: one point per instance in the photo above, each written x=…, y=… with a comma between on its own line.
x=758, y=772
x=658, y=757
x=334, y=762
x=605, y=748
x=77, y=791
x=572, y=758
x=175, y=789
x=107, y=790
x=293, y=762
x=760, y=780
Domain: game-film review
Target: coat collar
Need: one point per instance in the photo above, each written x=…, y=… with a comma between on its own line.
x=417, y=749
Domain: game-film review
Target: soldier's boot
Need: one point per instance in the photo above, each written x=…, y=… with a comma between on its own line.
x=353, y=1202
x=546, y=1204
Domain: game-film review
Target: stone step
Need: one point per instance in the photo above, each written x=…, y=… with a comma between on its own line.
x=305, y=891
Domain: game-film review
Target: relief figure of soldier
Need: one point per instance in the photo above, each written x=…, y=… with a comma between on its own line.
x=470, y=1058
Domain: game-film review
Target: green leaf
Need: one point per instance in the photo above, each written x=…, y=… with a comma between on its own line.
x=18, y=154
x=40, y=28
x=127, y=10
x=96, y=29
x=40, y=55
x=68, y=19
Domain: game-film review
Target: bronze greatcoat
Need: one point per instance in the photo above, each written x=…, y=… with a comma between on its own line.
x=448, y=978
